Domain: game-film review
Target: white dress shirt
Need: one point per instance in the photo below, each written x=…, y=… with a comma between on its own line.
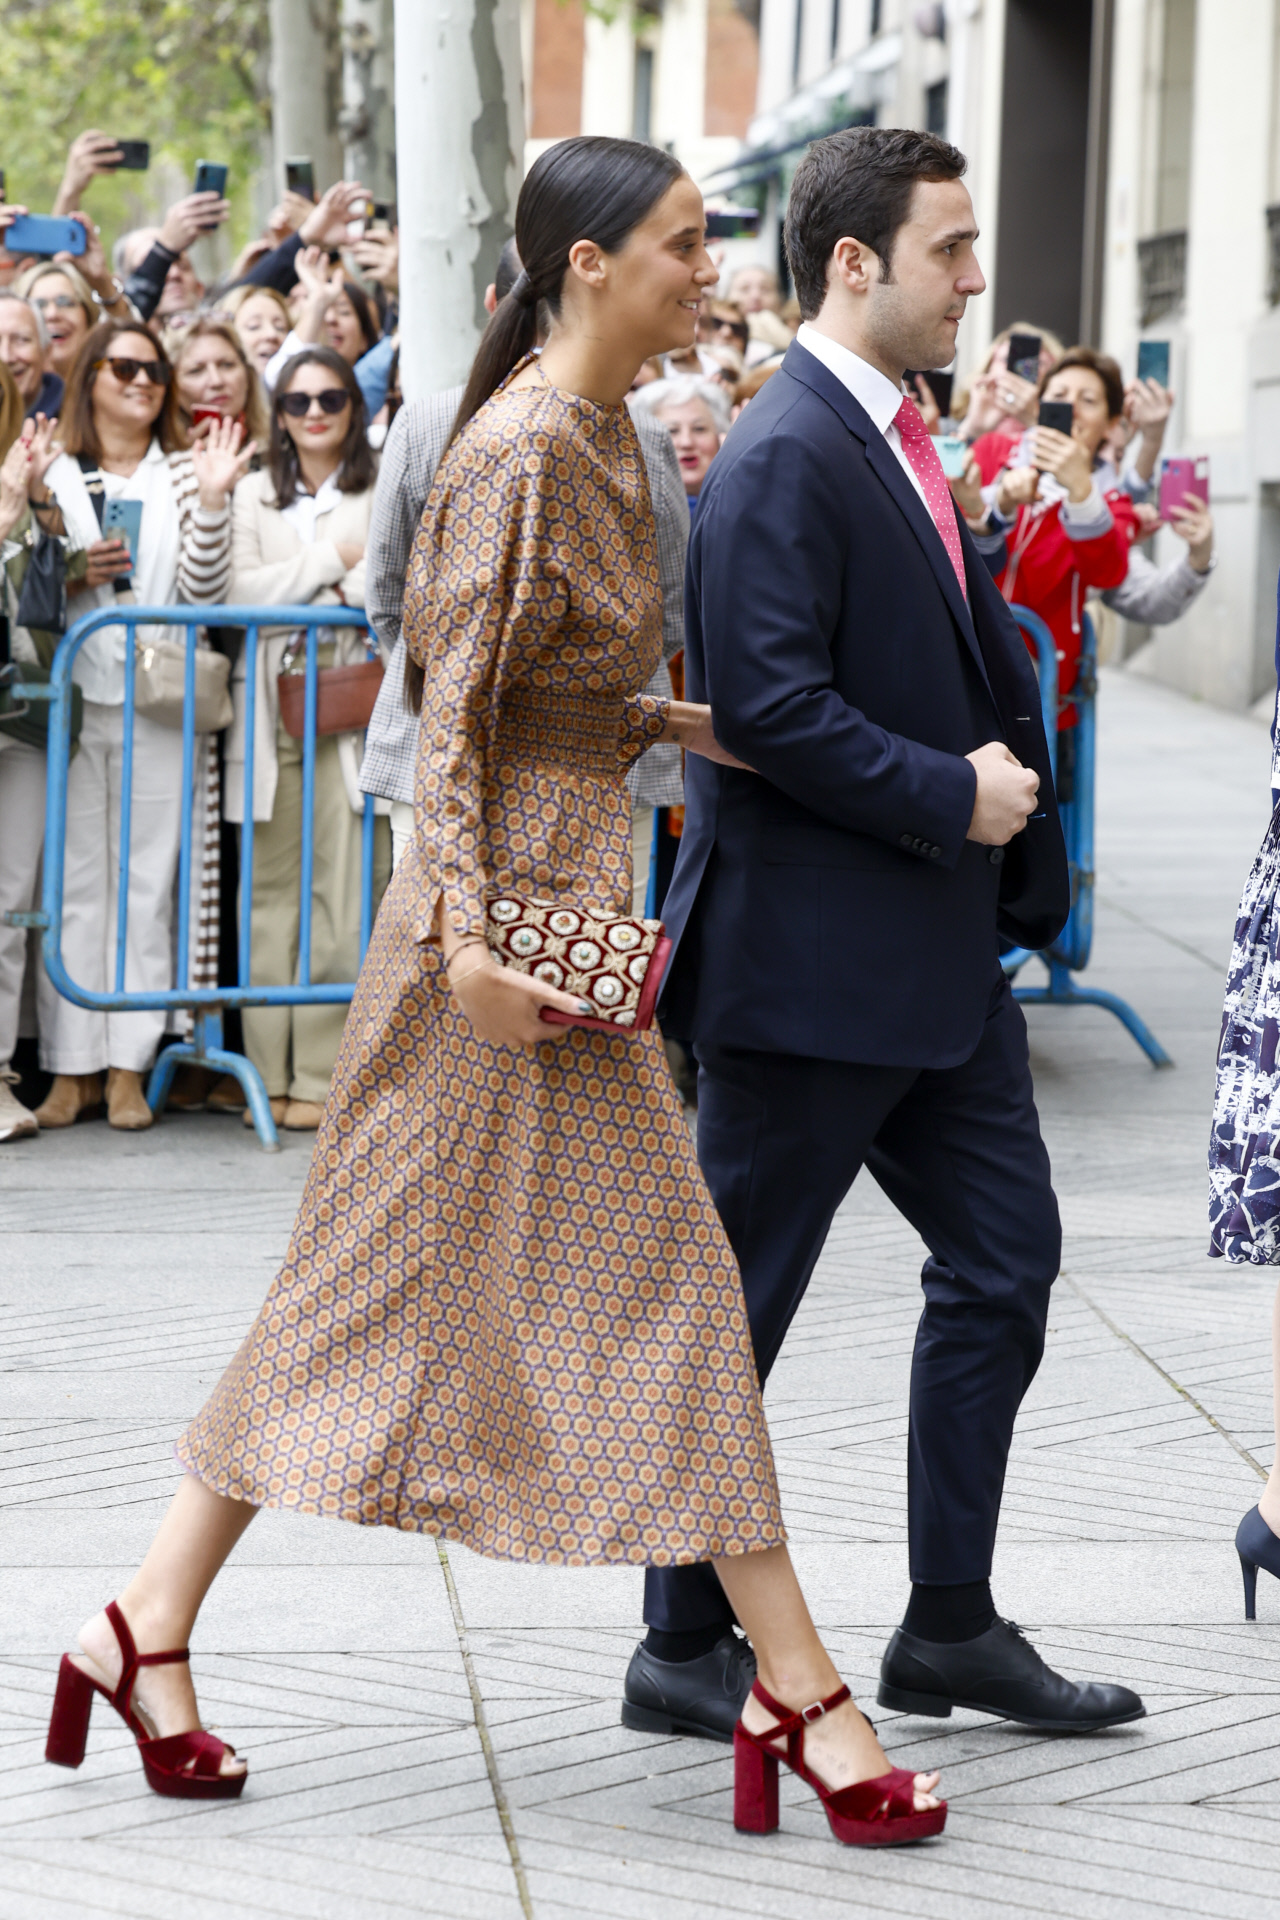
x=873, y=390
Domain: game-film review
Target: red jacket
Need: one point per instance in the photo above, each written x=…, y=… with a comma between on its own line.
x=1048, y=571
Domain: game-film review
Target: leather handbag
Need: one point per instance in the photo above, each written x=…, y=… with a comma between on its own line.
x=615, y=961
x=42, y=597
x=160, y=683
x=345, y=698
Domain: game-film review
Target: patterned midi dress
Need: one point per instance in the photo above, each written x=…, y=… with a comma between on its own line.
x=509, y=1314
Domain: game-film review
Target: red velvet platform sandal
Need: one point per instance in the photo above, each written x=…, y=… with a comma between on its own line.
x=871, y=1813
x=183, y=1765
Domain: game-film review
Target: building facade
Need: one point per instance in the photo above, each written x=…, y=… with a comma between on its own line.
x=1125, y=168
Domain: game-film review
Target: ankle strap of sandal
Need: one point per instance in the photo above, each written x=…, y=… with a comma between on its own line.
x=130, y=1658
x=792, y=1721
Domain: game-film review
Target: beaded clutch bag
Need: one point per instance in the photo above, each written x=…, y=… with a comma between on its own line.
x=614, y=962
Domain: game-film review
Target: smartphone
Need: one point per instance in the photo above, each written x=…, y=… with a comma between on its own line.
x=137, y=156
x=384, y=216
x=1058, y=414
x=953, y=452
x=205, y=413
x=122, y=520
x=1024, y=356
x=939, y=385
x=211, y=177
x=733, y=223
x=300, y=177
x=44, y=233
x=1183, y=482
x=1153, y=361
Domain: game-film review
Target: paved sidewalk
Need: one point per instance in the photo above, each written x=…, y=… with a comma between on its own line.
x=355, y=1668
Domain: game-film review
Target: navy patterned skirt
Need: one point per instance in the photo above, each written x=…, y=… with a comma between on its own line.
x=1244, y=1145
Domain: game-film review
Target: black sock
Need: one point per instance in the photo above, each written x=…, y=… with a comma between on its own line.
x=684, y=1646
x=950, y=1614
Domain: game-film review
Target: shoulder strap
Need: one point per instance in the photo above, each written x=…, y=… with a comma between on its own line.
x=93, y=484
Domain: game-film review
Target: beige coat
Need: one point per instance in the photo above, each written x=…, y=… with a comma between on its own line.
x=272, y=566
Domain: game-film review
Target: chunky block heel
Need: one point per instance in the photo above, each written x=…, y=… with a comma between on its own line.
x=755, y=1786
x=69, y=1721
x=183, y=1766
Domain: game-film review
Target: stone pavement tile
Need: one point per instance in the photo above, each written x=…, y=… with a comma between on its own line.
x=462, y=1873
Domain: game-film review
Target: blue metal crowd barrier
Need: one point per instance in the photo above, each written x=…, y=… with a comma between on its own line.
x=205, y=1004
x=1070, y=952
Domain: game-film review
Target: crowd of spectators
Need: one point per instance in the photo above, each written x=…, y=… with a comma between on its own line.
x=246, y=419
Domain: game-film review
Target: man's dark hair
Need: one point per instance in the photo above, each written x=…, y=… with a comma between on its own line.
x=857, y=185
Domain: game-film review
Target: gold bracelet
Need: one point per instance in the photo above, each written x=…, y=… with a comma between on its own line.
x=475, y=940
x=455, y=984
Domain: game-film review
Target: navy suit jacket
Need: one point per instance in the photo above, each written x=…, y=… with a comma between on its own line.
x=828, y=903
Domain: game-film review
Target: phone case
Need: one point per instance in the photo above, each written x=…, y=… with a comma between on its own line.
x=953, y=452
x=122, y=520
x=211, y=177
x=44, y=233
x=1183, y=480
x=1153, y=361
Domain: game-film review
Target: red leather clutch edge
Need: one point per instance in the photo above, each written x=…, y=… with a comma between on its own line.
x=644, y=1012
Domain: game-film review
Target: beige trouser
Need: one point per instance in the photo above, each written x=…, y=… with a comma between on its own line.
x=294, y=1048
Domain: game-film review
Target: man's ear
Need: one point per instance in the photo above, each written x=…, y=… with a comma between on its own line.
x=854, y=265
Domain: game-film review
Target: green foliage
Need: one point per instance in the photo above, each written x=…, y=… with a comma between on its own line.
x=188, y=75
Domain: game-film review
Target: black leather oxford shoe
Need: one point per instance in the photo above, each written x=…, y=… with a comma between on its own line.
x=1000, y=1672
x=703, y=1696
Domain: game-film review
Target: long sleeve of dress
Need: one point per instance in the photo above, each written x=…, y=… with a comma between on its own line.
x=481, y=575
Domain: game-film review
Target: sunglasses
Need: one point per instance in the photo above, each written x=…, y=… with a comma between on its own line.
x=735, y=327
x=127, y=371
x=297, y=405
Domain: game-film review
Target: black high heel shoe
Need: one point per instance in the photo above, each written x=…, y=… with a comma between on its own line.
x=1257, y=1547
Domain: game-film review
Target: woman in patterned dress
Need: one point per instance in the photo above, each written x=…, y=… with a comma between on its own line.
x=509, y=1314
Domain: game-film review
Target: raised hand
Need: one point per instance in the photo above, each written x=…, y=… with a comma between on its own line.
x=327, y=222
x=43, y=449
x=92, y=263
x=967, y=492
x=89, y=154
x=1194, y=524
x=1067, y=459
x=188, y=218
x=219, y=462
x=1018, y=488
x=378, y=257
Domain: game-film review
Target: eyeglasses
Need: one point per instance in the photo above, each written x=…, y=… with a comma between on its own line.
x=61, y=302
x=127, y=371
x=298, y=405
x=734, y=327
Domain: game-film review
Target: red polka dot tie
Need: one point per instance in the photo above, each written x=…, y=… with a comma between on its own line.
x=917, y=444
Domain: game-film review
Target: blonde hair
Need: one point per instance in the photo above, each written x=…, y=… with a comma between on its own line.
x=26, y=280
x=257, y=419
x=229, y=304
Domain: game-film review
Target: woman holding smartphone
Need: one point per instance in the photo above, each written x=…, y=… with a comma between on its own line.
x=123, y=442
x=509, y=1314
x=217, y=381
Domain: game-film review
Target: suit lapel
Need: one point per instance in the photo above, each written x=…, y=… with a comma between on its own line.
x=883, y=463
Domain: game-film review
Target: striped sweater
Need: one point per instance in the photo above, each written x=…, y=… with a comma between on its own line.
x=204, y=564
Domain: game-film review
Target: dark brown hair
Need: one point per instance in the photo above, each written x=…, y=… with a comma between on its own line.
x=362, y=307
x=358, y=467
x=590, y=187
x=857, y=185
x=76, y=428
x=1100, y=363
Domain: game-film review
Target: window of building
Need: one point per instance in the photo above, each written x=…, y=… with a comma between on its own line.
x=935, y=108
x=797, y=45
x=835, y=28
x=873, y=24
x=1173, y=156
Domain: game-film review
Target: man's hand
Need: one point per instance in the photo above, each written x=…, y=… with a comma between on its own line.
x=326, y=224
x=1006, y=795
x=188, y=218
x=89, y=154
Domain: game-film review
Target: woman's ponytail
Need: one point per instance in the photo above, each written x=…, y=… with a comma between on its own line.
x=588, y=188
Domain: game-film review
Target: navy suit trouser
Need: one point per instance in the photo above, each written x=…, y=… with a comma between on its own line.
x=958, y=1151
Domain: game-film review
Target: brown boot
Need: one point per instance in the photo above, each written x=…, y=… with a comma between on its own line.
x=277, y=1104
x=72, y=1097
x=126, y=1103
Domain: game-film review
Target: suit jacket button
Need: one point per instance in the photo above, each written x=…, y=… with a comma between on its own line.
x=996, y=856
x=934, y=852
x=905, y=840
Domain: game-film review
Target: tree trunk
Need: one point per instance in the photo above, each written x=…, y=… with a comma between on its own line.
x=305, y=85
x=368, y=94
x=460, y=123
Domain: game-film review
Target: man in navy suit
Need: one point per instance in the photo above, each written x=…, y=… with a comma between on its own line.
x=837, y=908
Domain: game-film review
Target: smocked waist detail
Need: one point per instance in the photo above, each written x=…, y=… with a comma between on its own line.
x=549, y=726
